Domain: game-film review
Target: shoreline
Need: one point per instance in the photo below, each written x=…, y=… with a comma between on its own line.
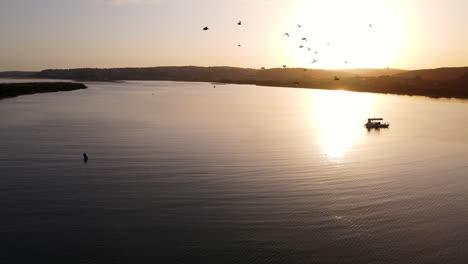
x=435, y=83
x=344, y=87
x=10, y=90
x=456, y=89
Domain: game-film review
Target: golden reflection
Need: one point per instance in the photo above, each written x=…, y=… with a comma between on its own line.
x=338, y=118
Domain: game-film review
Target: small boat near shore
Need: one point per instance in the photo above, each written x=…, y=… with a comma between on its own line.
x=376, y=122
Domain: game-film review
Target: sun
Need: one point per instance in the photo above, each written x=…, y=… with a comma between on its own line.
x=345, y=34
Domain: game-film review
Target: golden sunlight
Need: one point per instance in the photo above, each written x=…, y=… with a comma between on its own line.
x=346, y=34
x=339, y=117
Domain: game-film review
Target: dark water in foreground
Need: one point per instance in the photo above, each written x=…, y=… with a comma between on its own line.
x=184, y=173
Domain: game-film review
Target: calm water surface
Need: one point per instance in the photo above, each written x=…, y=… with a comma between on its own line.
x=188, y=173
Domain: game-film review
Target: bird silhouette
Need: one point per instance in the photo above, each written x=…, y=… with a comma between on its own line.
x=314, y=61
x=346, y=62
x=284, y=66
x=286, y=34
x=308, y=49
x=305, y=39
x=370, y=25
x=301, y=46
x=206, y=28
x=299, y=25
x=239, y=23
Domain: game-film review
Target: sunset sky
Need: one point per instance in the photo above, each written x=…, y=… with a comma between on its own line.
x=407, y=34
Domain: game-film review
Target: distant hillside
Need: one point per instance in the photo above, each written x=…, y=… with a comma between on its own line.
x=442, y=82
x=456, y=88
x=17, y=74
x=210, y=74
x=438, y=74
x=373, y=72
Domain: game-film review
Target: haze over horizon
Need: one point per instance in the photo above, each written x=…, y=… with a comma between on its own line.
x=402, y=34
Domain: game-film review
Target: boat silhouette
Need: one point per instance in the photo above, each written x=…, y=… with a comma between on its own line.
x=375, y=122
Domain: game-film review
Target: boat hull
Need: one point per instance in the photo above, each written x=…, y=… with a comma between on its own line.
x=377, y=125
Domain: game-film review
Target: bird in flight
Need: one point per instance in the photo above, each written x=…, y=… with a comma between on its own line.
x=299, y=25
x=301, y=46
x=206, y=28
x=284, y=66
x=305, y=39
x=239, y=23
x=286, y=34
x=308, y=49
x=314, y=61
x=239, y=45
x=370, y=25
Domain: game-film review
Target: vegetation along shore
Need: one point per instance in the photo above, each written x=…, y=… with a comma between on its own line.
x=440, y=82
x=17, y=89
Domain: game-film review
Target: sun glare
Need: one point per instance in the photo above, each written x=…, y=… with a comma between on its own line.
x=345, y=34
x=338, y=118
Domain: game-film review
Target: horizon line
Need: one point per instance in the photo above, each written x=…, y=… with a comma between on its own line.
x=224, y=66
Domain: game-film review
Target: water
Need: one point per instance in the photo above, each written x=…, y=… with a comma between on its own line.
x=188, y=173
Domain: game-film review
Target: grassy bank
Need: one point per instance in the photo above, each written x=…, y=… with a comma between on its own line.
x=441, y=82
x=16, y=89
x=457, y=88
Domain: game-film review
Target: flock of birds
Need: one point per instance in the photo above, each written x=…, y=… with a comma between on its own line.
x=239, y=23
x=304, y=39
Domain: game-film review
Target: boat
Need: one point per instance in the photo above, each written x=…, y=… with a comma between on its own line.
x=376, y=123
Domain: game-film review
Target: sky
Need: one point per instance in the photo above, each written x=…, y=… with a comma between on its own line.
x=405, y=34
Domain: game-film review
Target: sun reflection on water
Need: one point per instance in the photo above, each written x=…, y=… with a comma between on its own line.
x=338, y=118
